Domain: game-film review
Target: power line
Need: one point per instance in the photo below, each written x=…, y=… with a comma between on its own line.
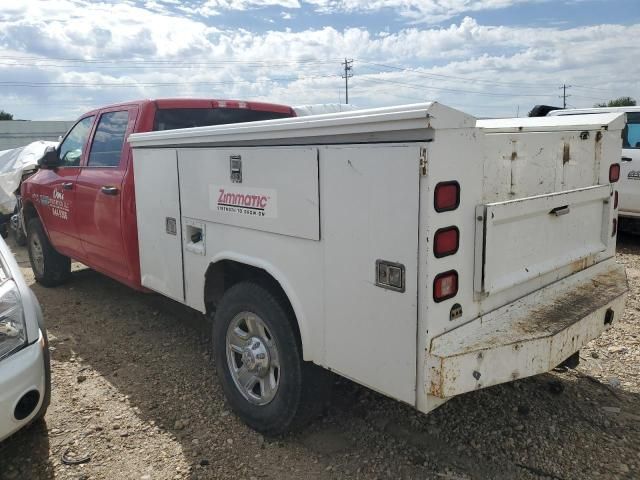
x=478, y=80
x=152, y=84
x=119, y=67
x=593, y=88
x=587, y=97
x=268, y=62
x=454, y=90
x=173, y=64
x=466, y=79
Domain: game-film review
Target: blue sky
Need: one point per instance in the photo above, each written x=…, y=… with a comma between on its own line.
x=59, y=58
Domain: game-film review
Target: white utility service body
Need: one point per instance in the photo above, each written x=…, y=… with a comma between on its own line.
x=318, y=202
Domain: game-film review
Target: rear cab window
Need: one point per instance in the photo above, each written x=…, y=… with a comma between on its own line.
x=173, y=118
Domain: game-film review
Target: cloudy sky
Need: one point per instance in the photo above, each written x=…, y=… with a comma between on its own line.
x=59, y=58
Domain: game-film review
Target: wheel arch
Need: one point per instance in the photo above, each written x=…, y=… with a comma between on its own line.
x=29, y=211
x=229, y=268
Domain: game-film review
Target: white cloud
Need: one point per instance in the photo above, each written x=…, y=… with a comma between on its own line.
x=217, y=7
x=428, y=11
x=480, y=68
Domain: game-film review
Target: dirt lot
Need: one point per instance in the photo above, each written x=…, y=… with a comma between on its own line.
x=134, y=395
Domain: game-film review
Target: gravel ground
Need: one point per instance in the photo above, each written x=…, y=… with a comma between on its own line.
x=135, y=396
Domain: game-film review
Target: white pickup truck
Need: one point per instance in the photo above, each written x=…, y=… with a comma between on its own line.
x=413, y=249
x=629, y=211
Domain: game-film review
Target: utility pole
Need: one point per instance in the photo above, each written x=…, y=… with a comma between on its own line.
x=348, y=67
x=564, y=95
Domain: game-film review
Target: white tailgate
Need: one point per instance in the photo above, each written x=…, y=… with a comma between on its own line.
x=521, y=239
x=278, y=192
x=158, y=216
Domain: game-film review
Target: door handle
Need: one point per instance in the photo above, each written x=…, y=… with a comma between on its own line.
x=559, y=211
x=626, y=159
x=67, y=185
x=109, y=190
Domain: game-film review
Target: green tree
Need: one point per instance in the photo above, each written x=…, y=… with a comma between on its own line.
x=5, y=115
x=618, y=102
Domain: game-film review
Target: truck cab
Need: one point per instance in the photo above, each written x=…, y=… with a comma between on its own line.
x=81, y=204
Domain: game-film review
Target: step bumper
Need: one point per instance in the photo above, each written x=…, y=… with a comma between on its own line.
x=529, y=336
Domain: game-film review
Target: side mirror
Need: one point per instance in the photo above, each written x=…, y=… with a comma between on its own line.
x=50, y=158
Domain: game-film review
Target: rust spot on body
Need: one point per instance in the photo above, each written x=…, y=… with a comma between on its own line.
x=566, y=153
x=578, y=265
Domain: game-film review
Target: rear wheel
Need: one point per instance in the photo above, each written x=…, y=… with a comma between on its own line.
x=259, y=362
x=50, y=268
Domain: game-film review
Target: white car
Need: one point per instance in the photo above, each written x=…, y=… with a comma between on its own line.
x=25, y=375
x=629, y=186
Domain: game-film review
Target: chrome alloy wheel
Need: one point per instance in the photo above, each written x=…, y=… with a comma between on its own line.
x=252, y=358
x=37, y=254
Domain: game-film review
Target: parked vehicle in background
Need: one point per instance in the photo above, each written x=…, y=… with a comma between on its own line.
x=17, y=164
x=412, y=249
x=629, y=187
x=81, y=203
x=25, y=375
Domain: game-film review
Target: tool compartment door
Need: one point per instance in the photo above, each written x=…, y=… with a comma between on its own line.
x=370, y=207
x=271, y=189
x=158, y=217
x=518, y=240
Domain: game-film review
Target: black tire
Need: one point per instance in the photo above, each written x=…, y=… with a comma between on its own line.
x=52, y=269
x=303, y=388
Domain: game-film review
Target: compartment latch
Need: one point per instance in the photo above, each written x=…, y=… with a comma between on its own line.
x=235, y=165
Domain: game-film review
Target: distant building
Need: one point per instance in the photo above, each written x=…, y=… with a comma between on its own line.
x=18, y=133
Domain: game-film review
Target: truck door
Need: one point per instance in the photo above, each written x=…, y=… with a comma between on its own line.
x=630, y=167
x=99, y=192
x=56, y=190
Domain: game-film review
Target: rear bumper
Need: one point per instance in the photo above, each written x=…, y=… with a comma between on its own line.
x=527, y=337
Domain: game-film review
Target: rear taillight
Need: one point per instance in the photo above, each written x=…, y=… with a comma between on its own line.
x=445, y=285
x=614, y=228
x=615, y=199
x=614, y=172
x=446, y=241
x=446, y=196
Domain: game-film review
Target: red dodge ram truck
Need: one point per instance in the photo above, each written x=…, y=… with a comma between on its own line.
x=80, y=203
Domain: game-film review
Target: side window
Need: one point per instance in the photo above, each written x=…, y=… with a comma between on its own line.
x=631, y=133
x=70, y=150
x=106, y=148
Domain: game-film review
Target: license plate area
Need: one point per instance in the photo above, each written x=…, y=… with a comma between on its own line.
x=521, y=239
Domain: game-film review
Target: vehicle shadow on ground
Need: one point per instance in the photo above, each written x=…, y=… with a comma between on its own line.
x=155, y=353
x=33, y=442
x=628, y=243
